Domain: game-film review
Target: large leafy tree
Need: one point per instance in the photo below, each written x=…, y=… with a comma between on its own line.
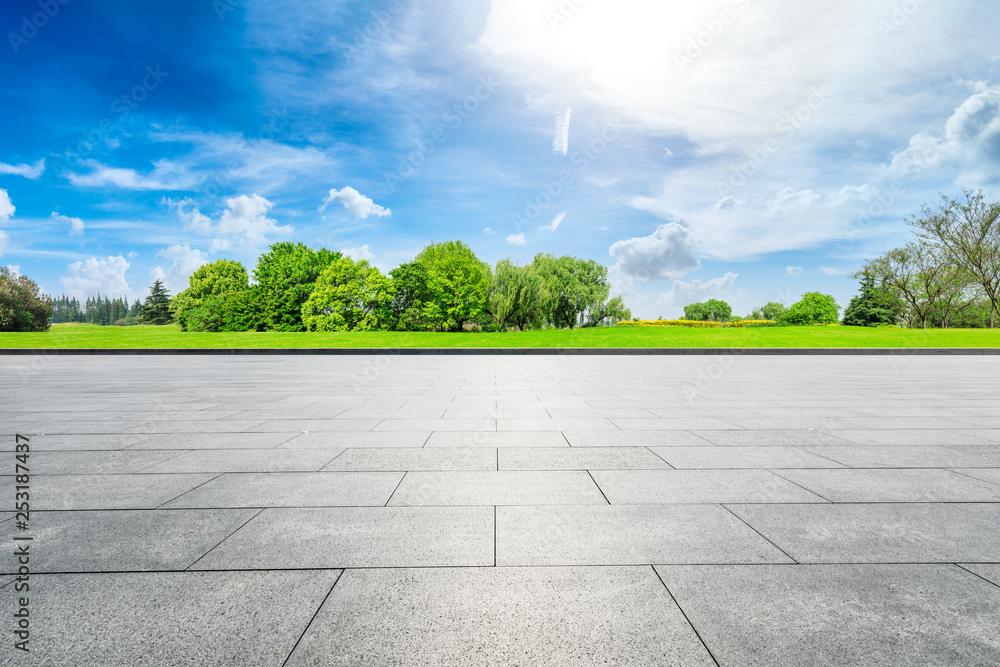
x=713, y=310
x=575, y=286
x=285, y=278
x=156, y=309
x=217, y=298
x=457, y=283
x=349, y=296
x=517, y=295
x=813, y=308
x=969, y=233
x=23, y=307
x=410, y=293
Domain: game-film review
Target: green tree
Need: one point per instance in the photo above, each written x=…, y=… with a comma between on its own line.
x=575, y=286
x=23, y=307
x=156, y=310
x=285, y=278
x=969, y=234
x=349, y=296
x=517, y=295
x=457, y=283
x=774, y=310
x=712, y=310
x=407, y=309
x=217, y=298
x=813, y=308
x=874, y=305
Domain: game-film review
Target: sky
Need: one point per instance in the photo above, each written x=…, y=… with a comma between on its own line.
x=746, y=150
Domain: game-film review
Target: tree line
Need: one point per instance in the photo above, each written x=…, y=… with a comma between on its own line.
x=98, y=310
x=445, y=288
x=948, y=276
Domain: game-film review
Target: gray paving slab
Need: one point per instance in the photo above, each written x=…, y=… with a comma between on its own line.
x=331, y=440
x=407, y=459
x=313, y=426
x=652, y=487
x=120, y=540
x=339, y=537
x=495, y=439
x=579, y=458
x=500, y=616
x=839, y=614
x=894, y=486
x=136, y=491
x=742, y=457
x=112, y=462
x=673, y=424
x=990, y=572
x=989, y=511
x=942, y=437
x=770, y=438
x=991, y=475
x=627, y=535
x=875, y=533
x=549, y=424
x=468, y=425
x=213, y=426
x=293, y=489
x=220, y=618
x=990, y=453
x=497, y=488
x=899, y=456
x=211, y=440
x=246, y=460
x=634, y=439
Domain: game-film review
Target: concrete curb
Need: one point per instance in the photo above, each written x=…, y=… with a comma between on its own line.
x=523, y=351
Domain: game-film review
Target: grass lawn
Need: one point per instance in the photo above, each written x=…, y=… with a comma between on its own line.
x=92, y=336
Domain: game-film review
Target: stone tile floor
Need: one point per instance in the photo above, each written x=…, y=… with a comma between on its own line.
x=504, y=510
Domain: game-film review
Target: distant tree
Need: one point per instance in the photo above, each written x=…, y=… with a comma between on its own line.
x=813, y=308
x=349, y=296
x=613, y=310
x=712, y=310
x=517, y=295
x=873, y=306
x=969, y=234
x=156, y=309
x=23, y=307
x=285, y=278
x=773, y=310
x=457, y=283
x=217, y=298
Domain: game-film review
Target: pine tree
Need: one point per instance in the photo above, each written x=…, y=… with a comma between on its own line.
x=156, y=310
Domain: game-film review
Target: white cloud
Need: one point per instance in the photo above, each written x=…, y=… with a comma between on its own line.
x=560, y=142
x=218, y=245
x=489, y=231
x=14, y=269
x=829, y=271
x=364, y=252
x=166, y=175
x=970, y=142
x=551, y=227
x=6, y=206
x=793, y=270
x=244, y=218
x=666, y=253
x=516, y=239
x=791, y=200
x=75, y=224
x=356, y=203
x=93, y=276
x=682, y=293
x=32, y=171
x=667, y=152
x=185, y=260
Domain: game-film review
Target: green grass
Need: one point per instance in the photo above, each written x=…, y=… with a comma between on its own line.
x=91, y=336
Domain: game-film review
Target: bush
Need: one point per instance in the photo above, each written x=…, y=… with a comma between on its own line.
x=712, y=310
x=813, y=308
x=23, y=307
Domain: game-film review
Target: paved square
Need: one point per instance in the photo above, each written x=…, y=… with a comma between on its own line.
x=506, y=510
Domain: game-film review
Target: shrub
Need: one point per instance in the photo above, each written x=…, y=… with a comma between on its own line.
x=23, y=307
x=813, y=308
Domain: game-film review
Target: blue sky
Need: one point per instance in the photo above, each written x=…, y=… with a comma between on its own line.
x=736, y=149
